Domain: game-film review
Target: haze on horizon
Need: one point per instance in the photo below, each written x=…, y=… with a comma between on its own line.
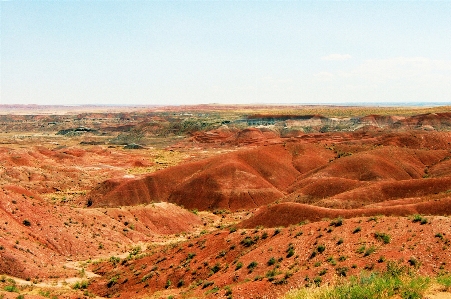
x=231, y=52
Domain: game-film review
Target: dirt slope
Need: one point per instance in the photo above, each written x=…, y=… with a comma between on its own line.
x=243, y=179
x=266, y=263
x=36, y=237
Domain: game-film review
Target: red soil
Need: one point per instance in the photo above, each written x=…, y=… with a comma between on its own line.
x=293, y=213
x=244, y=179
x=37, y=236
x=195, y=267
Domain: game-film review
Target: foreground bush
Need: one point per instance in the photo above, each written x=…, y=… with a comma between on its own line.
x=369, y=285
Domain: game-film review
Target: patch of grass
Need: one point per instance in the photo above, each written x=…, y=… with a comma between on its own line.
x=370, y=286
x=11, y=288
x=445, y=281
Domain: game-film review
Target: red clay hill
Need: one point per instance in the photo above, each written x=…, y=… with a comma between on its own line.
x=339, y=170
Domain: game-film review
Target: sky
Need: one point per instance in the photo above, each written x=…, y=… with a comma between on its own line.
x=230, y=52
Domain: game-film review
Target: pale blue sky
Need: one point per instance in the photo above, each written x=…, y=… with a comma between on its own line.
x=187, y=52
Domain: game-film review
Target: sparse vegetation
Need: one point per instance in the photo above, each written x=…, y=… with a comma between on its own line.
x=382, y=237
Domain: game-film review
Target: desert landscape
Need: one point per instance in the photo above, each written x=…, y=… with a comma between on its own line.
x=225, y=201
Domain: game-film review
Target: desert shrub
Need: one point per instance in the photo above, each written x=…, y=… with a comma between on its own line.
x=232, y=229
x=321, y=248
x=414, y=262
x=340, y=241
x=331, y=260
x=248, y=241
x=290, y=250
x=271, y=261
x=238, y=266
x=207, y=284
x=26, y=222
x=168, y=284
x=11, y=288
x=356, y=230
x=342, y=271
x=181, y=283
x=382, y=237
x=342, y=258
x=419, y=218
x=114, y=260
x=215, y=268
x=113, y=280
x=298, y=234
x=252, y=265
x=317, y=280
x=81, y=285
x=361, y=249
x=336, y=222
x=369, y=251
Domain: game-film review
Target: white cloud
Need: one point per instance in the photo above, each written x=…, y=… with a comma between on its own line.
x=324, y=76
x=336, y=57
x=412, y=69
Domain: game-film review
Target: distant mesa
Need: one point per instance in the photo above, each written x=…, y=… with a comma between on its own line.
x=77, y=131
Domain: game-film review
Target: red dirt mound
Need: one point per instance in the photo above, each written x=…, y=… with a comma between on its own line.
x=311, y=190
x=387, y=191
x=243, y=179
x=285, y=214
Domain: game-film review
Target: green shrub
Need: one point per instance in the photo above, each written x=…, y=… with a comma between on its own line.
x=419, y=218
x=445, y=281
x=356, y=230
x=248, y=241
x=342, y=271
x=369, y=251
x=290, y=250
x=382, y=237
x=271, y=261
x=238, y=266
x=321, y=248
x=252, y=265
x=336, y=222
x=11, y=288
x=216, y=268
